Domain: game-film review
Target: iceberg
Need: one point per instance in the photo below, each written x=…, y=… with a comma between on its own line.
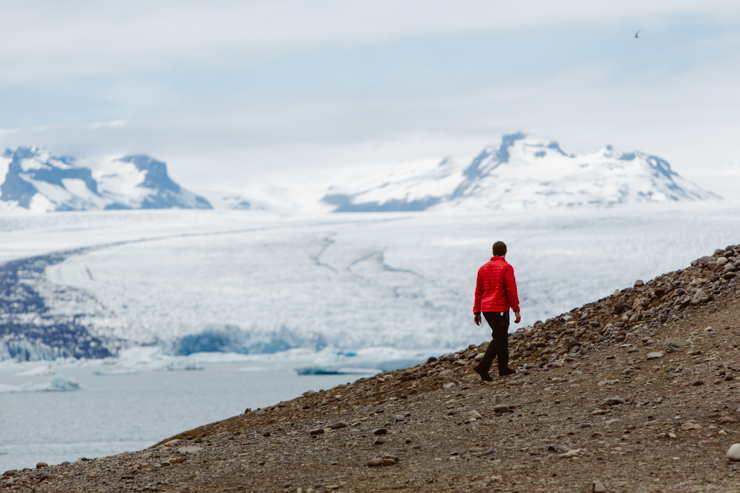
x=56, y=384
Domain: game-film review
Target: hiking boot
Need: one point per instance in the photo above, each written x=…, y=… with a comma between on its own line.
x=483, y=374
x=508, y=371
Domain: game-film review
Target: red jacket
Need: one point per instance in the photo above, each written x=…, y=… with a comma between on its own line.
x=495, y=290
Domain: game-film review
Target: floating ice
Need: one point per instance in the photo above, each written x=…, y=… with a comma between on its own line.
x=56, y=384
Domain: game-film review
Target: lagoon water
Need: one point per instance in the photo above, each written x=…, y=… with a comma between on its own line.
x=111, y=414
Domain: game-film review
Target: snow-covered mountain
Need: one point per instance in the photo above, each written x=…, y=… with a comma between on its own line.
x=523, y=173
x=34, y=179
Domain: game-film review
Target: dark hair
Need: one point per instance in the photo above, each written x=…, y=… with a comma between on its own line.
x=499, y=249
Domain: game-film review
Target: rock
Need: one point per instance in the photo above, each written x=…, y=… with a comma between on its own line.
x=734, y=452
x=639, y=283
x=724, y=420
x=266, y=433
x=697, y=383
x=190, y=449
x=318, y=431
x=729, y=377
x=475, y=414
x=408, y=440
x=561, y=449
x=39, y=465
x=377, y=461
x=570, y=454
x=379, y=441
x=479, y=356
x=690, y=425
x=584, y=425
x=416, y=447
x=597, y=487
x=337, y=426
x=445, y=373
x=613, y=401
x=612, y=421
x=380, y=431
x=655, y=355
x=721, y=261
x=600, y=412
x=501, y=408
x=700, y=295
x=399, y=417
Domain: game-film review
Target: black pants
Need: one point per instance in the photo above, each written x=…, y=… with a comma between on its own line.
x=499, y=346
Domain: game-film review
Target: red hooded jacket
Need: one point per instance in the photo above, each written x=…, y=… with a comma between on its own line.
x=495, y=290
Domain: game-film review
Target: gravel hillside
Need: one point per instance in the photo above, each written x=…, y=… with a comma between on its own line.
x=632, y=393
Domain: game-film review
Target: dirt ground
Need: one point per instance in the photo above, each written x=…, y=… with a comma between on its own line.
x=635, y=392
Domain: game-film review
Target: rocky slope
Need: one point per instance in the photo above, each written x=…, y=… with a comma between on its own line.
x=633, y=393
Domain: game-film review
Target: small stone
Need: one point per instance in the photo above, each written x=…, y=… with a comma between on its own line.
x=600, y=412
x=380, y=431
x=389, y=461
x=734, y=452
x=337, y=426
x=613, y=401
x=561, y=449
x=318, y=431
x=501, y=408
x=416, y=447
x=408, y=440
x=475, y=414
x=700, y=295
x=584, y=425
x=690, y=425
x=399, y=417
x=598, y=487
x=571, y=453
x=39, y=465
x=655, y=355
x=379, y=441
x=697, y=383
x=612, y=421
x=724, y=420
x=639, y=283
x=377, y=461
x=729, y=377
x=190, y=449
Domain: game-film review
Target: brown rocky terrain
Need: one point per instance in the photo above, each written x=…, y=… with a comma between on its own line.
x=632, y=393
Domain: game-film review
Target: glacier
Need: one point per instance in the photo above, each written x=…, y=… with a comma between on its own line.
x=259, y=282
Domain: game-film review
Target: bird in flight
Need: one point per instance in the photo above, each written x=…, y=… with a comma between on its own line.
x=637, y=34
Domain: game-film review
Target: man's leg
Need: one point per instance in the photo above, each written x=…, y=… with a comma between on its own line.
x=485, y=363
x=501, y=341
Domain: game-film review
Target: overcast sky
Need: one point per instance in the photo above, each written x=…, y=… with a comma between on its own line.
x=233, y=94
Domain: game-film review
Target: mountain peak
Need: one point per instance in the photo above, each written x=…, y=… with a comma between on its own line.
x=524, y=172
x=35, y=179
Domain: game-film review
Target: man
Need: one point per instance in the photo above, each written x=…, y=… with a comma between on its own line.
x=495, y=294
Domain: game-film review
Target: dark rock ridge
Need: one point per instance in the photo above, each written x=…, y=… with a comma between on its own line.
x=28, y=332
x=40, y=181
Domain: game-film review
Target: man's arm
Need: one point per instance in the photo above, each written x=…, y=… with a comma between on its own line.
x=511, y=292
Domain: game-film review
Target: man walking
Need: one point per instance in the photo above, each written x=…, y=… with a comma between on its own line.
x=495, y=293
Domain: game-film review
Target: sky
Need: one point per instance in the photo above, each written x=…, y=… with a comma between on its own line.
x=235, y=94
